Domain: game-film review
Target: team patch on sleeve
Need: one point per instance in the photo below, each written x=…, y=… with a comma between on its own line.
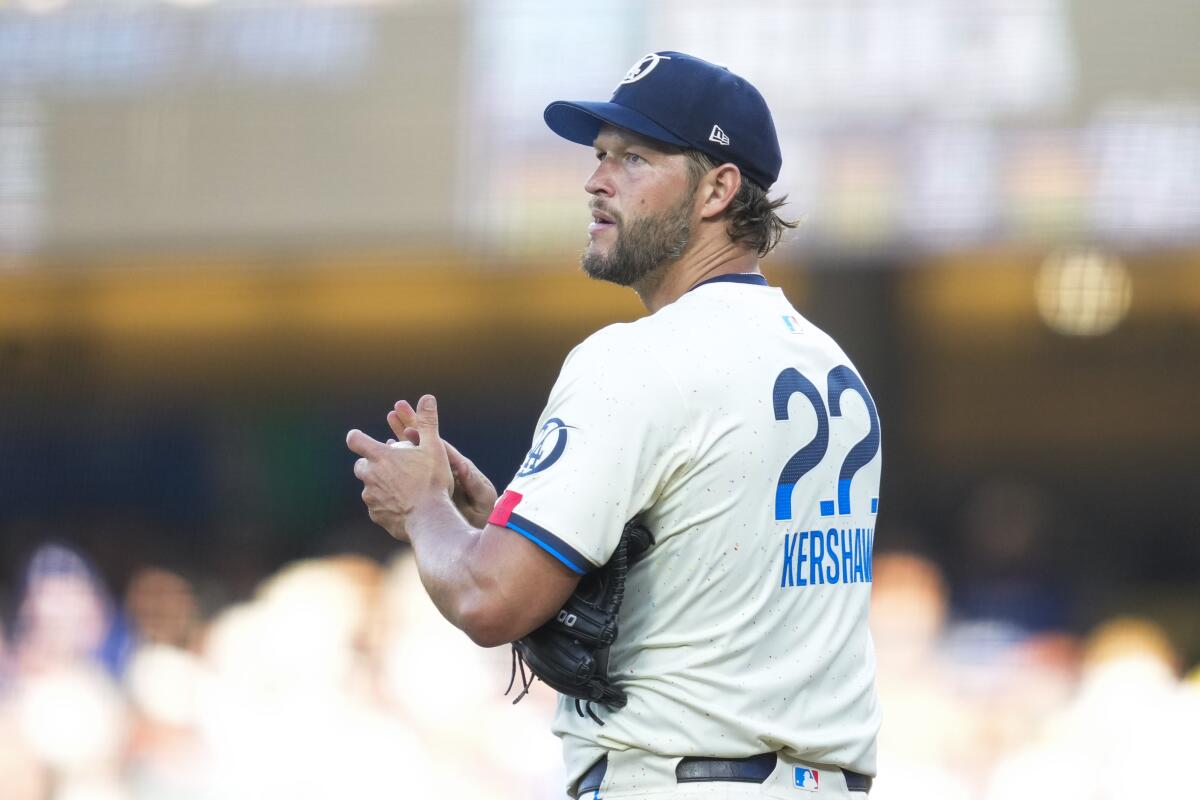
x=548, y=447
x=504, y=516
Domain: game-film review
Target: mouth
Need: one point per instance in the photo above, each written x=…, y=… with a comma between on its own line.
x=601, y=221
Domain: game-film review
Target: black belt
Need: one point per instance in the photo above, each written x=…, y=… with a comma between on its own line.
x=696, y=769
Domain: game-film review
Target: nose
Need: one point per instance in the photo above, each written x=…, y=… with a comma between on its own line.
x=599, y=183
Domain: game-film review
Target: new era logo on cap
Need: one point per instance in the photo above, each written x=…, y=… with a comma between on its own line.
x=719, y=136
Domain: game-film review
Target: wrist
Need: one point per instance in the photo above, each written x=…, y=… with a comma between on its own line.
x=431, y=510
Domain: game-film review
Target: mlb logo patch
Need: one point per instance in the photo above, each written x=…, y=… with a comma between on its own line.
x=807, y=779
x=793, y=324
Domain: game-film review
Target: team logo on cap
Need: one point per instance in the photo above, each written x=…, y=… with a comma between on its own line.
x=643, y=67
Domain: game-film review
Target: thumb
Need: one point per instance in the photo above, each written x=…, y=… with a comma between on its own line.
x=474, y=482
x=427, y=420
x=459, y=464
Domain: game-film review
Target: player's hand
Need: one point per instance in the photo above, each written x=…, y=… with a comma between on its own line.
x=397, y=480
x=474, y=495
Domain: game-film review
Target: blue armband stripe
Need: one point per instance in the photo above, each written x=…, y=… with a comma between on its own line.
x=545, y=540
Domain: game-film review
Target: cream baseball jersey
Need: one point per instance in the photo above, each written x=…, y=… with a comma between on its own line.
x=745, y=440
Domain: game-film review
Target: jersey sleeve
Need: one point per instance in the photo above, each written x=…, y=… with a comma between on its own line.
x=610, y=438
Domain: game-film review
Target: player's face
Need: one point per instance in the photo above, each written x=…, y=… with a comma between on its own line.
x=641, y=208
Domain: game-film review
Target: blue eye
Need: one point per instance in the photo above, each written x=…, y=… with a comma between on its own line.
x=634, y=157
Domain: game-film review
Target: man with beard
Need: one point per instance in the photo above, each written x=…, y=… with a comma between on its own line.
x=740, y=435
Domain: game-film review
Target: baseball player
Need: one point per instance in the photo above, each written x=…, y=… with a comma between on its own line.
x=736, y=432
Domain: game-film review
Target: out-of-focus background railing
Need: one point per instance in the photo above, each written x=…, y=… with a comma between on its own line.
x=231, y=230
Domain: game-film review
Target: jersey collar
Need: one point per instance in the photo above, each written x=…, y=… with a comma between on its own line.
x=738, y=277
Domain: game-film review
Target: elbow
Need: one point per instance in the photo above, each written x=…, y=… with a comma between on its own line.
x=487, y=624
x=485, y=637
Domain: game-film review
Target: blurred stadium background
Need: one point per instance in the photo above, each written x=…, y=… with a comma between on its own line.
x=230, y=230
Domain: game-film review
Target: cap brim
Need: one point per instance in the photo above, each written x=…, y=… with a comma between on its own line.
x=580, y=122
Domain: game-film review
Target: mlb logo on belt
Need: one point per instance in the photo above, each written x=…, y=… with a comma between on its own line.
x=807, y=779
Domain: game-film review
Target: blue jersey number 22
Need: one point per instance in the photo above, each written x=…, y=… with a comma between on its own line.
x=841, y=378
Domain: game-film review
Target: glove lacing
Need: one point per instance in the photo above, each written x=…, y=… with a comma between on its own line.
x=526, y=680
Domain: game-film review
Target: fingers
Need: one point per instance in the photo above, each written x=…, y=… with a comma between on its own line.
x=364, y=445
x=396, y=424
x=405, y=413
x=427, y=419
x=403, y=421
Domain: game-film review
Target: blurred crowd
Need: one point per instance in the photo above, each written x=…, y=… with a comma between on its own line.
x=338, y=679
x=984, y=709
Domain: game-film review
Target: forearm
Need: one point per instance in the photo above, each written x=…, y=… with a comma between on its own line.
x=489, y=583
x=445, y=546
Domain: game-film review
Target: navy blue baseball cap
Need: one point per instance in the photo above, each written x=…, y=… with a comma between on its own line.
x=685, y=101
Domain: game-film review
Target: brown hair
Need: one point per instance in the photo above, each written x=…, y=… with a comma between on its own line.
x=751, y=214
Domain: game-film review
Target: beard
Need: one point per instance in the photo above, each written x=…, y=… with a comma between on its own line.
x=644, y=250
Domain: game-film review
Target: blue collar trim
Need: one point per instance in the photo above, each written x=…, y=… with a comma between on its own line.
x=741, y=277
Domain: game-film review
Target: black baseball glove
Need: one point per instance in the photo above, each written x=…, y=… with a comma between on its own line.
x=570, y=652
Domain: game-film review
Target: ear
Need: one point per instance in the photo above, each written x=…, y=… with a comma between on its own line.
x=718, y=188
